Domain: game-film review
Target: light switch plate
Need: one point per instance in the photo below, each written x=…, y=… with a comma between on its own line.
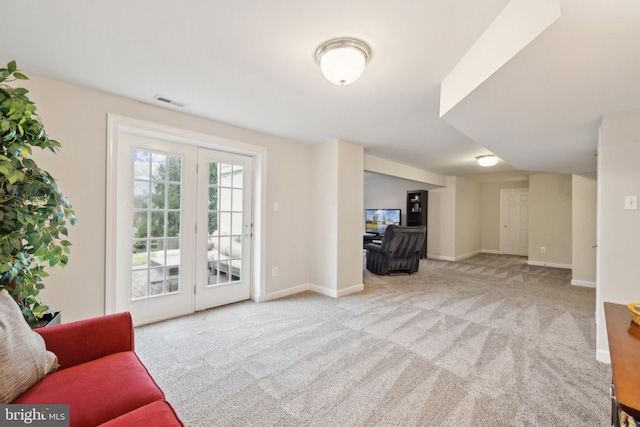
x=631, y=203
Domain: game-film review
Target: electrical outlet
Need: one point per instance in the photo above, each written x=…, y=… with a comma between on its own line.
x=631, y=203
x=543, y=249
x=274, y=271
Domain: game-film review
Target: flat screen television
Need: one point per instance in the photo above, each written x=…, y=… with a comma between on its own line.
x=377, y=220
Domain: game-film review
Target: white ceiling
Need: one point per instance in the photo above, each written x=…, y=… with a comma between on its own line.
x=250, y=63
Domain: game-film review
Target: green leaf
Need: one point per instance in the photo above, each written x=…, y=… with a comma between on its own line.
x=33, y=211
x=39, y=309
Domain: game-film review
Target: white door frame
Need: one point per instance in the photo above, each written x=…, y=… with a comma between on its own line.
x=117, y=124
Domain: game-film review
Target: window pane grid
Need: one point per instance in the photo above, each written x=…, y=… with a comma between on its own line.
x=156, y=224
x=224, y=251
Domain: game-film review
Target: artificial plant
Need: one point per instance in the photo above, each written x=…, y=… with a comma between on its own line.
x=33, y=210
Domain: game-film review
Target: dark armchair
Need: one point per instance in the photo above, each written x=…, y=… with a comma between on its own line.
x=399, y=250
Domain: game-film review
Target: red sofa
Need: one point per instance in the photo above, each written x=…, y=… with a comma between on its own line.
x=100, y=376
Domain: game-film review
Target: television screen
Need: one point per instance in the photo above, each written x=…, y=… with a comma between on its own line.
x=377, y=220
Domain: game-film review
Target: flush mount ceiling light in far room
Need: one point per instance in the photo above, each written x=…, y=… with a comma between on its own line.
x=342, y=61
x=487, y=160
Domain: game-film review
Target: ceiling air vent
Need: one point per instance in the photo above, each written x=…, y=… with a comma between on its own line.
x=168, y=101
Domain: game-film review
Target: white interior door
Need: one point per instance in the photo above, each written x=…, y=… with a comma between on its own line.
x=224, y=228
x=514, y=207
x=183, y=228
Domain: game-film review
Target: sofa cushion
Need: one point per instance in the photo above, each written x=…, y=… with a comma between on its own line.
x=157, y=414
x=99, y=390
x=24, y=359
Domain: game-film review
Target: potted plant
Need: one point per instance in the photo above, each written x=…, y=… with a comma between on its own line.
x=33, y=210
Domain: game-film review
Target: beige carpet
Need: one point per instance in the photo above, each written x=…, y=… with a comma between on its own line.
x=489, y=341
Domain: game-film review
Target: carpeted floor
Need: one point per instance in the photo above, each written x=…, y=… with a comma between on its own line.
x=489, y=341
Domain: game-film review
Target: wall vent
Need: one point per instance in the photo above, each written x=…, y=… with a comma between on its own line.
x=168, y=101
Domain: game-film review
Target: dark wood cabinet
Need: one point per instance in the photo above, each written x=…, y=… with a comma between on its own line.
x=417, y=208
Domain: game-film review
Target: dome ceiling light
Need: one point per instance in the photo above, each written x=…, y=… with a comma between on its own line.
x=487, y=160
x=342, y=60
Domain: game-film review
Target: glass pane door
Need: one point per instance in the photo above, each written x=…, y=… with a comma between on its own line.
x=183, y=228
x=156, y=219
x=224, y=255
x=224, y=223
x=155, y=242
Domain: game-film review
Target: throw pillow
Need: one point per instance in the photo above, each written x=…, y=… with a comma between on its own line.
x=24, y=359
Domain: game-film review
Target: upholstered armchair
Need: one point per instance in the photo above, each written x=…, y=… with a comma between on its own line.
x=399, y=250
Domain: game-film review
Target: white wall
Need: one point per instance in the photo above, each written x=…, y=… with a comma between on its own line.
x=468, y=218
x=324, y=216
x=441, y=237
x=336, y=213
x=77, y=117
x=454, y=218
x=618, y=278
x=583, y=208
x=550, y=219
x=350, y=208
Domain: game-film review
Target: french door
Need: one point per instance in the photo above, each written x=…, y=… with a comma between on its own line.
x=224, y=229
x=183, y=228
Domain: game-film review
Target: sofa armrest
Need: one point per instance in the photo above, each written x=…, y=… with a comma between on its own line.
x=374, y=248
x=85, y=340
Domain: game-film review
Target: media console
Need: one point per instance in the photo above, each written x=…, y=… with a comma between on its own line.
x=371, y=238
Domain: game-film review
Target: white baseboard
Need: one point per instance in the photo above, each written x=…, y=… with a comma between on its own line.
x=583, y=283
x=307, y=287
x=490, y=251
x=467, y=255
x=351, y=290
x=549, y=264
x=336, y=294
x=440, y=257
x=459, y=257
x=603, y=356
x=283, y=293
x=451, y=258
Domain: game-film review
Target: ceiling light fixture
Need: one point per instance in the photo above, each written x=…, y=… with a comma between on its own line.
x=487, y=160
x=342, y=60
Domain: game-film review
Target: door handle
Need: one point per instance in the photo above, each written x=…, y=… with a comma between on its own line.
x=595, y=245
